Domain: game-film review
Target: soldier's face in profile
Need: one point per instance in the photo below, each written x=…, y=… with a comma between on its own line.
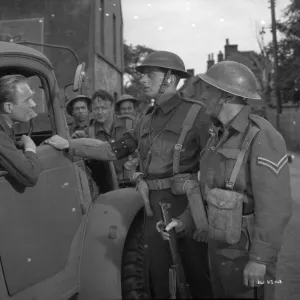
x=151, y=80
x=127, y=108
x=22, y=109
x=211, y=97
x=102, y=110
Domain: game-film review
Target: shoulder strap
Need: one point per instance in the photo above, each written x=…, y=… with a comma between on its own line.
x=186, y=127
x=129, y=124
x=246, y=143
x=92, y=131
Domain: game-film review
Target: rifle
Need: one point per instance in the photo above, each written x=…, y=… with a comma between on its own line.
x=178, y=287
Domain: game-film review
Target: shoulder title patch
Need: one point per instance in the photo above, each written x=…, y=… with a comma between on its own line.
x=273, y=166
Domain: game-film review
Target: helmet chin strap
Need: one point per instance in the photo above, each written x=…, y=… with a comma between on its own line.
x=229, y=108
x=163, y=85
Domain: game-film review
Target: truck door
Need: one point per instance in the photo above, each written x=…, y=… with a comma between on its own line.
x=38, y=224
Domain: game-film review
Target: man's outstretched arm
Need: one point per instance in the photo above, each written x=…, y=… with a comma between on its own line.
x=96, y=149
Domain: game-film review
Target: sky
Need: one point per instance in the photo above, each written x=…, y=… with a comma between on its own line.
x=195, y=28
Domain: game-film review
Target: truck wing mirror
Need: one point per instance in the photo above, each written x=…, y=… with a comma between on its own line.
x=79, y=77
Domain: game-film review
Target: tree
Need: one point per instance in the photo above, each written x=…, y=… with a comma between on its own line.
x=133, y=56
x=264, y=64
x=289, y=52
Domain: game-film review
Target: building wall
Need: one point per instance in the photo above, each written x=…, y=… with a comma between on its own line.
x=108, y=58
x=107, y=77
x=75, y=24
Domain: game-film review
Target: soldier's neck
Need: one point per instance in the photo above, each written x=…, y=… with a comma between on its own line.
x=81, y=123
x=7, y=119
x=161, y=98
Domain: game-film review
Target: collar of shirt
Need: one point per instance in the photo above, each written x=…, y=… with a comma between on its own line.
x=170, y=102
x=5, y=127
x=241, y=121
x=119, y=122
x=101, y=128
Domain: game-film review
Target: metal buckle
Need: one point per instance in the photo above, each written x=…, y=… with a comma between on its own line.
x=178, y=147
x=157, y=184
x=229, y=185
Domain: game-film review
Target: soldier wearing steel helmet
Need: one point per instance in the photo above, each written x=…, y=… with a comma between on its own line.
x=168, y=139
x=125, y=109
x=79, y=108
x=126, y=105
x=244, y=179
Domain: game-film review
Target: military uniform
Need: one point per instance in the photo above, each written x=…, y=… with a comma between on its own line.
x=155, y=138
x=265, y=181
x=74, y=126
x=24, y=168
x=112, y=132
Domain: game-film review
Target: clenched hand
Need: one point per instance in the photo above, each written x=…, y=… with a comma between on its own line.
x=58, y=142
x=254, y=274
x=176, y=223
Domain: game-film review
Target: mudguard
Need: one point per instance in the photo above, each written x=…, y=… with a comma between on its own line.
x=107, y=226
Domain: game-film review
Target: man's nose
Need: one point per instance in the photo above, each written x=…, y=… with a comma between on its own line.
x=32, y=104
x=143, y=79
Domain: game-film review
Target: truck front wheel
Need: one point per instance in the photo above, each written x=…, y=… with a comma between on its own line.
x=135, y=264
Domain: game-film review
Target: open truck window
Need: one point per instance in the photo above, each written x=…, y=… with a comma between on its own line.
x=41, y=126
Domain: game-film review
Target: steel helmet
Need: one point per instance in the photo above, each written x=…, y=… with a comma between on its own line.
x=69, y=107
x=233, y=78
x=166, y=60
x=126, y=97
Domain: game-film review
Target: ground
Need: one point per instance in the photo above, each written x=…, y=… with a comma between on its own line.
x=288, y=267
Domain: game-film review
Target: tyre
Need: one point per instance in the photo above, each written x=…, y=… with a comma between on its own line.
x=135, y=264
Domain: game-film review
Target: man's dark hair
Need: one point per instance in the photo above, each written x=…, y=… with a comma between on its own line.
x=104, y=95
x=8, y=87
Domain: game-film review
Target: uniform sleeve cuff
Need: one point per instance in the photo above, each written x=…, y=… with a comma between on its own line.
x=262, y=253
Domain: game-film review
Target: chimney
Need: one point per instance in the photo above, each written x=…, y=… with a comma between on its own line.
x=191, y=72
x=210, y=61
x=229, y=49
x=220, y=56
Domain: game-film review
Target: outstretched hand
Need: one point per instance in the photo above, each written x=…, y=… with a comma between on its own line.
x=58, y=142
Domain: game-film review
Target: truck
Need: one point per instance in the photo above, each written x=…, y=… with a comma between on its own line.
x=61, y=239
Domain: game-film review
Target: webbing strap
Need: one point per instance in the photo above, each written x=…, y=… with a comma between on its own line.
x=92, y=131
x=246, y=143
x=186, y=127
x=129, y=124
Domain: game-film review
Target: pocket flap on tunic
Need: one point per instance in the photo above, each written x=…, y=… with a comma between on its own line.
x=229, y=153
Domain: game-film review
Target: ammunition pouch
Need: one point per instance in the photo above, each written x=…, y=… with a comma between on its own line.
x=178, y=186
x=225, y=210
x=187, y=184
x=225, y=206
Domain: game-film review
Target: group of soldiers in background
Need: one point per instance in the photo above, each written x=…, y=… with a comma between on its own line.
x=231, y=217
x=99, y=117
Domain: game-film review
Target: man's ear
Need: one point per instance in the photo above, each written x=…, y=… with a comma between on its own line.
x=7, y=107
x=172, y=80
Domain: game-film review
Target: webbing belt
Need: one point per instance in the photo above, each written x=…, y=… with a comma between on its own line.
x=160, y=184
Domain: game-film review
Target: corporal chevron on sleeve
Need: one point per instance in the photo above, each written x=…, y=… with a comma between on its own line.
x=275, y=167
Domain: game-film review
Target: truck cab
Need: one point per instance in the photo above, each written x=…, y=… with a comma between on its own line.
x=60, y=239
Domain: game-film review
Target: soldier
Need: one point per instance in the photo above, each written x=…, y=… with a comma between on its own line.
x=79, y=108
x=108, y=126
x=126, y=105
x=246, y=183
x=17, y=106
x=169, y=139
x=125, y=109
